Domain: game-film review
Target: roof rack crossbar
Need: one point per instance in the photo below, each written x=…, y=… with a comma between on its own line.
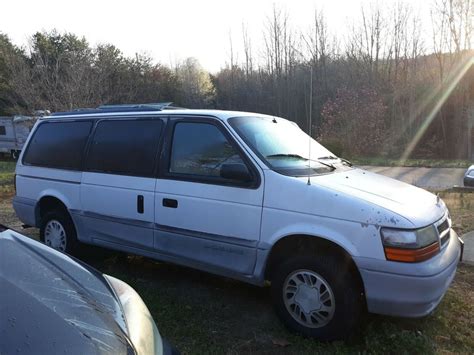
x=157, y=106
x=119, y=108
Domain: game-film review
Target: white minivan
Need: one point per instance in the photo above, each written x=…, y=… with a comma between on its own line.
x=243, y=195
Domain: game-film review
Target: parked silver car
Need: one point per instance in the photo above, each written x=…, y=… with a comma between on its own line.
x=469, y=177
x=51, y=303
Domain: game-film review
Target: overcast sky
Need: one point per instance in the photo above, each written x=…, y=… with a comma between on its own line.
x=172, y=30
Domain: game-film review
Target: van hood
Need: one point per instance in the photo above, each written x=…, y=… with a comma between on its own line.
x=416, y=205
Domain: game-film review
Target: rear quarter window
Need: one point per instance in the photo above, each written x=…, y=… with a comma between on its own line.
x=58, y=145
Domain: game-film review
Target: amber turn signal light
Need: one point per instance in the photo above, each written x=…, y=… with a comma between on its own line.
x=412, y=255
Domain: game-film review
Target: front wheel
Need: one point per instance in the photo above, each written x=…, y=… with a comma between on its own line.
x=57, y=231
x=317, y=297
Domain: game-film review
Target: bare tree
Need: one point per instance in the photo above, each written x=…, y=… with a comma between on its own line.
x=196, y=88
x=317, y=44
x=247, y=42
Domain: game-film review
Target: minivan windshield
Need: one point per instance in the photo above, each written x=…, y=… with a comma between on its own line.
x=283, y=146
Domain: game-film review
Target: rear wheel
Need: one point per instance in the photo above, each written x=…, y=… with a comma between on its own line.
x=317, y=297
x=57, y=231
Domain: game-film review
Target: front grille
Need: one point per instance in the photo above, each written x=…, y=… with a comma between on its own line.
x=443, y=230
x=443, y=226
x=444, y=239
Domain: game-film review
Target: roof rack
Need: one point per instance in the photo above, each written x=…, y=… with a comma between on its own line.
x=160, y=106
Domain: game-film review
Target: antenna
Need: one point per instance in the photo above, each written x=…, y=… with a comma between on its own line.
x=309, y=129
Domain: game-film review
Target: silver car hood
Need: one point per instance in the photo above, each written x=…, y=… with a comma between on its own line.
x=50, y=303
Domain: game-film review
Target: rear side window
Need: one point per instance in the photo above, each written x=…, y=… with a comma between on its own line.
x=125, y=147
x=58, y=145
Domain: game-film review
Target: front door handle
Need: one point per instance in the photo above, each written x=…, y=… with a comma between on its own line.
x=140, y=204
x=169, y=202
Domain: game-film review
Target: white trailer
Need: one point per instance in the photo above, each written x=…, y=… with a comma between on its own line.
x=13, y=133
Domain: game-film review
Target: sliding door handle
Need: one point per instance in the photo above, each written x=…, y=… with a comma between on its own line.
x=169, y=202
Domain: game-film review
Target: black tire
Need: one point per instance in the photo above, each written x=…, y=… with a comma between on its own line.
x=64, y=219
x=14, y=155
x=345, y=289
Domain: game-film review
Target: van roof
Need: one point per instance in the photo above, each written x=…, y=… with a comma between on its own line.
x=153, y=109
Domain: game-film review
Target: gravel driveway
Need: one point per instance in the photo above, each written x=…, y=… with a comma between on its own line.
x=435, y=178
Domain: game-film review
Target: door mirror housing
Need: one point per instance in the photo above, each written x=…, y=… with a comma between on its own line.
x=237, y=172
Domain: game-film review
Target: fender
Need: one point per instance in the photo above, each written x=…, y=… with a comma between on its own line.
x=311, y=230
x=356, y=238
x=332, y=230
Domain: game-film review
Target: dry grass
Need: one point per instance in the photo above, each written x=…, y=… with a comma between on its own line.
x=461, y=207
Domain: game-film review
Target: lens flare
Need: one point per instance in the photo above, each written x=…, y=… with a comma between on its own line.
x=443, y=92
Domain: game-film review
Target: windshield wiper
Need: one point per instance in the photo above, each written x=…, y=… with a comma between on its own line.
x=331, y=157
x=286, y=156
x=297, y=156
x=328, y=157
x=346, y=161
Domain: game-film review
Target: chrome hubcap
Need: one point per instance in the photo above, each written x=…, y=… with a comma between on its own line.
x=308, y=298
x=55, y=235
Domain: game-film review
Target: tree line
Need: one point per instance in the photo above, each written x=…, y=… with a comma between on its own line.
x=392, y=86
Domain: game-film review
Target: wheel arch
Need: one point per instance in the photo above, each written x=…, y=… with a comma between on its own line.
x=294, y=244
x=47, y=203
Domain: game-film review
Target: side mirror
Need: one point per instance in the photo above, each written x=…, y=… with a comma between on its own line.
x=238, y=172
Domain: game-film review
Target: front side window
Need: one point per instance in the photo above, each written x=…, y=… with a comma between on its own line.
x=58, y=145
x=125, y=147
x=201, y=149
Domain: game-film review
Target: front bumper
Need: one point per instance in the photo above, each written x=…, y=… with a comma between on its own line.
x=409, y=289
x=25, y=210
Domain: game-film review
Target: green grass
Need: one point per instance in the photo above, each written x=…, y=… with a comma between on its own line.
x=428, y=163
x=205, y=314
x=7, y=171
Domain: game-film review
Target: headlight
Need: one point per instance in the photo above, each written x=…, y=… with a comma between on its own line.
x=142, y=330
x=410, y=245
